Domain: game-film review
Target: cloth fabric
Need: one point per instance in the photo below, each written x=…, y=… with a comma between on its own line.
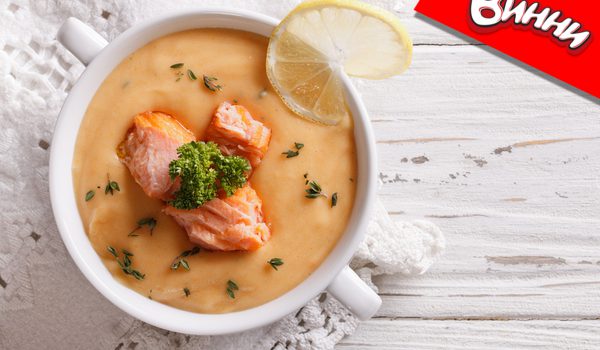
x=45, y=302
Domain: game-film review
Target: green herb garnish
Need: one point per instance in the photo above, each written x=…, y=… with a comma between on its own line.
x=210, y=83
x=180, y=259
x=179, y=73
x=275, y=262
x=231, y=287
x=112, y=251
x=334, y=199
x=90, y=195
x=150, y=222
x=314, y=190
x=291, y=154
x=125, y=265
x=191, y=74
x=186, y=291
x=111, y=186
x=203, y=169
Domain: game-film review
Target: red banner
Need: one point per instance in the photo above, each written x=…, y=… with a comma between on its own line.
x=559, y=37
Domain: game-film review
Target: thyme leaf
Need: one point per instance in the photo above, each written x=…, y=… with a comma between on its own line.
x=211, y=83
x=90, y=195
x=176, y=66
x=112, y=251
x=125, y=265
x=290, y=153
x=275, y=262
x=231, y=288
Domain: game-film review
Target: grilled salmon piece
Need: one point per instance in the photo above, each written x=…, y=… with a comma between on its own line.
x=232, y=223
x=150, y=145
x=237, y=133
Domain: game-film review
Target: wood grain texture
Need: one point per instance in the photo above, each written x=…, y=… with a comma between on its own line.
x=507, y=163
x=423, y=334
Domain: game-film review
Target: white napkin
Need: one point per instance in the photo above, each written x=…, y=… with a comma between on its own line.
x=44, y=300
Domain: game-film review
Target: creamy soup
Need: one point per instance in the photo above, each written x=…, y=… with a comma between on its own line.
x=304, y=230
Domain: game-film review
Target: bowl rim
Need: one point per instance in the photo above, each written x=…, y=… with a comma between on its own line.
x=79, y=246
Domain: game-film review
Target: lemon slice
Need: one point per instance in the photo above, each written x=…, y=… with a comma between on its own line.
x=320, y=41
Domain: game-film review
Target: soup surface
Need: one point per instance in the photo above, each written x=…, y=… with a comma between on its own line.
x=303, y=230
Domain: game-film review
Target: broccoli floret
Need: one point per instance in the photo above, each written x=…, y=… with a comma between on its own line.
x=203, y=170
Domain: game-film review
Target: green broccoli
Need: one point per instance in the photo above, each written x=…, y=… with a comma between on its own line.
x=203, y=170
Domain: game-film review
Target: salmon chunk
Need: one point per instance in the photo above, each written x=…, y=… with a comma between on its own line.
x=150, y=145
x=232, y=223
x=237, y=133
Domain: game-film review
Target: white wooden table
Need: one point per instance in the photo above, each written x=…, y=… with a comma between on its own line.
x=507, y=163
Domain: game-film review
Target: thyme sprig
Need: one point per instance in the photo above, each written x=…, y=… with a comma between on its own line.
x=314, y=190
x=125, y=265
x=211, y=83
x=111, y=186
x=150, y=222
x=180, y=259
x=290, y=153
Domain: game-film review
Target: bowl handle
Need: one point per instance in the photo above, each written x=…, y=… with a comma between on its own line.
x=355, y=294
x=83, y=42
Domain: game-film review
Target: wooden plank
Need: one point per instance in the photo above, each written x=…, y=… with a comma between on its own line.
x=463, y=86
x=426, y=334
x=506, y=163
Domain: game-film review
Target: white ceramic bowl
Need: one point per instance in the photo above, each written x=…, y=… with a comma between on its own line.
x=333, y=275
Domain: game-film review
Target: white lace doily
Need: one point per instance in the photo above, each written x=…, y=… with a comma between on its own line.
x=45, y=302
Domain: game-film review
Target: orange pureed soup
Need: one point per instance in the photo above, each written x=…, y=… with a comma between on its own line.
x=304, y=230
